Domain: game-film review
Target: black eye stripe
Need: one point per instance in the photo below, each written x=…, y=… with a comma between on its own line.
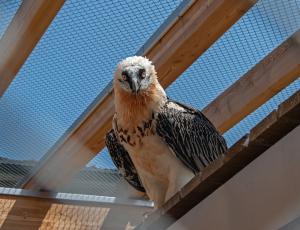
x=142, y=73
x=125, y=73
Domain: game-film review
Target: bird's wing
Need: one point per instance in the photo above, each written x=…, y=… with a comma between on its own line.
x=122, y=160
x=191, y=136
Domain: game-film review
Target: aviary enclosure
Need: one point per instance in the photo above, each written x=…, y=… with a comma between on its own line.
x=238, y=61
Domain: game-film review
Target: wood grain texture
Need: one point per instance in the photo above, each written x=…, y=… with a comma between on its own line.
x=191, y=35
x=24, y=212
x=25, y=30
x=201, y=25
x=272, y=74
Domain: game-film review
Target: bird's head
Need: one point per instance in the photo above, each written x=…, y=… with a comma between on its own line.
x=135, y=75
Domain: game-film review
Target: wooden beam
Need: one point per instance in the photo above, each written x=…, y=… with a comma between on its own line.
x=201, y=25
x=275, y=126
x=75, y=199
x=25, y=30
x=189, y=36
x=20, y=209
x=275, y=72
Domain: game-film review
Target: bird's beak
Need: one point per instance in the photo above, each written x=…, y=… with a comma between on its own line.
x=133, y=80
x=135, y=86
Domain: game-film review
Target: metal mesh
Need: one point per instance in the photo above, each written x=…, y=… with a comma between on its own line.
x=95, y=181
x=255, y=35
x=8, y=9
x=76, y=58
x=11, y=171
x=69, y=67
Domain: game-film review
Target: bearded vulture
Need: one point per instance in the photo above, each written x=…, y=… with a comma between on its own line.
x=156, y=143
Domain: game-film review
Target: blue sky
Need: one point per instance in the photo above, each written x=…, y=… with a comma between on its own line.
x=76, y=58
x=70, y=66
x=8, y=9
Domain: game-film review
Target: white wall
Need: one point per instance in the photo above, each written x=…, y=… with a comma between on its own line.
x=264, y=195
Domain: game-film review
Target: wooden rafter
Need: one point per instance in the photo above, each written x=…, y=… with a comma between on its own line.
x=194, y=31
x=25, y=30
x=276, y=71
x=21, y=209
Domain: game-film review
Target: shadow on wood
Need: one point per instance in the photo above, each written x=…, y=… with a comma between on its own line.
x=22, y=213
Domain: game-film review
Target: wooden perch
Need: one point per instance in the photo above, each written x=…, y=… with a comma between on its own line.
x=265, y=134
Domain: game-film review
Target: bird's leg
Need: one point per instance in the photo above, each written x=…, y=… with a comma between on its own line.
x=177, y=181
x=170, y=192
x=158, y=199
x=155, y=189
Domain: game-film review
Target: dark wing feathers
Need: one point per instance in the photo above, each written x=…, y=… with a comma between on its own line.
x=122, y=160
x=190, y=135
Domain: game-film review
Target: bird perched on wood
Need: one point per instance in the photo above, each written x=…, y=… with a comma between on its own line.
x=158, y=144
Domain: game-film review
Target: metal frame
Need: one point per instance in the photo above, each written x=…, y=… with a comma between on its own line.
x=78, y=199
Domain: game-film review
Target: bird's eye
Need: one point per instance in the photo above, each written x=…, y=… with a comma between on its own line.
x=124, y=77
x=142, y=73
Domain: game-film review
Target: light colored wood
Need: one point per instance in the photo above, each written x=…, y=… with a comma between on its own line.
x=275, y=72
x=192, y=34
x=76, y=151
x=264, y=195
x=202, y=24
x=25, y=213
x=44, y=212
x=5, y=207
x=25, y=30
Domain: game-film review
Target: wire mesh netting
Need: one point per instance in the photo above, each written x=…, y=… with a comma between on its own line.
x=8, y=9
x=254, y=36
x=76, y=58
x=69, y=67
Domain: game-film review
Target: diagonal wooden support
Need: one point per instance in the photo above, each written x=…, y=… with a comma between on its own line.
x=190, y=34
x=25, y=30
x=275, y=72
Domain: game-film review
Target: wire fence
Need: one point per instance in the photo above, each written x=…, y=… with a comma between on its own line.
x=69, y=67
x=76, y=58
x=254, y=36
x=7, y=10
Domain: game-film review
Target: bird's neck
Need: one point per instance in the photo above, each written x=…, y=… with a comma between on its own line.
x=132, y=109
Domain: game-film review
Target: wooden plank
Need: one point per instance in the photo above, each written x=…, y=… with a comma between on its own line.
x=77, y=199
x=25, y=30
x=201, y=25
x=24, y=213
x=193, y=32
x=276, y=71
x=21, y=209
x=275, y=126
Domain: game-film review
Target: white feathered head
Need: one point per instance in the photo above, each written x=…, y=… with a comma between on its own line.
x=135, y=74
